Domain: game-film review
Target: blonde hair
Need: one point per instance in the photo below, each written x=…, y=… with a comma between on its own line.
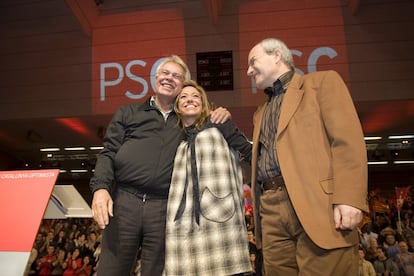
x=205, y=110
x=177, y=60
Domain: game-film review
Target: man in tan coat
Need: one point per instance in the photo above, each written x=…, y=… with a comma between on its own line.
x=309, y=168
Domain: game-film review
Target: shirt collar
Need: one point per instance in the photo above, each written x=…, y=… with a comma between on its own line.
x=153, y=104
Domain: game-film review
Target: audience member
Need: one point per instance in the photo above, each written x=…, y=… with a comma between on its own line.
x=371, y=251
x=79, y=243
x=91, y=244
x=39, y=241
x=367, y=234
x=253, y=250
x=43, y=265
x=86, y=268
x=73, y=262
x=366, y=268
x=248, y=213
x=47, y=241
x=409, y=228
x=384, y=265
x=410, y=243
x=60, y=239
x=58, y=263
x=381, y=221
x=391, y=246
x=253, y=264
x=405, y=260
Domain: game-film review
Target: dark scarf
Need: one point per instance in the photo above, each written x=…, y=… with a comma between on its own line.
x=190, y=135
x=276, y=90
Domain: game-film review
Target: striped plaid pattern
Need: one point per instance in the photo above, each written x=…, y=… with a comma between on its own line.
x=218, y=245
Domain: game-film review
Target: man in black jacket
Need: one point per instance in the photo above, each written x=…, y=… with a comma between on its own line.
x=134, y=169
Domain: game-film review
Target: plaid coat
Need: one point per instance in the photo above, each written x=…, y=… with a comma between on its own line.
x=217, y=244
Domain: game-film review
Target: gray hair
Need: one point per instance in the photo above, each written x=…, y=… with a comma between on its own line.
x=177, y=60
x=271, y=44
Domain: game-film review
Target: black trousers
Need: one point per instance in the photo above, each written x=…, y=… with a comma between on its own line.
x=137, y=223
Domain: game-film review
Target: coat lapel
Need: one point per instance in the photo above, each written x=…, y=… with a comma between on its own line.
x=257, y=122
x=290, y=103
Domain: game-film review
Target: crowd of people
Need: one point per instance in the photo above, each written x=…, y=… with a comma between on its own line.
x=72, y=246
x=66, y=247
x=387, y=238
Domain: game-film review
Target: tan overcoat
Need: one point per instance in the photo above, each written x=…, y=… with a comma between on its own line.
x=322, y=155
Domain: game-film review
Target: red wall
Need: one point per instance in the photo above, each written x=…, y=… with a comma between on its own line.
x=53, y=52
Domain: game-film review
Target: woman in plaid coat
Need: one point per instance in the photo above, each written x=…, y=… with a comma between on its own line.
x=206, y=232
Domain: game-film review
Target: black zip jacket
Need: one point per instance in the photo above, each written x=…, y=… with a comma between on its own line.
x=139, y=151
x=140, y=146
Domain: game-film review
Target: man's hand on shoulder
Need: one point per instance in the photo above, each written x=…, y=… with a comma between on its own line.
x=220, y=115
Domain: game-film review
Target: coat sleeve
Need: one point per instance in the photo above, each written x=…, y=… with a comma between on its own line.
x=344, y=131
x=103, y=177
x=236, y=139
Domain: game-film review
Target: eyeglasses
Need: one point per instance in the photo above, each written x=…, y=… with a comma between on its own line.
x=176, y=76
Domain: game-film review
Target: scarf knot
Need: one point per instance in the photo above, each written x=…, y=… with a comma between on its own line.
x=275, y=90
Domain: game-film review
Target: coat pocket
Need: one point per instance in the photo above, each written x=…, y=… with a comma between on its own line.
x=218, y=209
x=327, y=185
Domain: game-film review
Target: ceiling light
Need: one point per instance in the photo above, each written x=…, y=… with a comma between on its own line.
x=78, y=171
x=404, y=162
x=377, y=162
x=372, y=138
x=50, y=149
x=96, y=148
x=401, y=136
x=75, y=148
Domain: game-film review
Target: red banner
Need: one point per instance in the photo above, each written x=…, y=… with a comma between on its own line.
x=401, y=194
x=380, y=206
